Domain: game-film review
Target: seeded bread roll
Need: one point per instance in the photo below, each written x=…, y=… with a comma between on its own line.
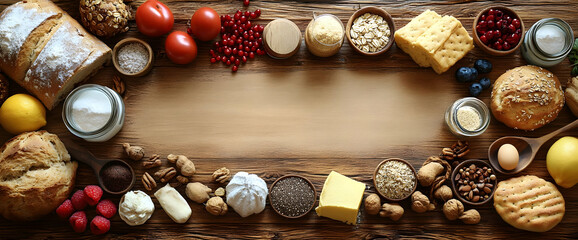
x=46, y=51
x=529, y=203
x=527, y=98
x=36, y=176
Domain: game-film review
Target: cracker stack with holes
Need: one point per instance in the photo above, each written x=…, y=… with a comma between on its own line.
x=434, y=41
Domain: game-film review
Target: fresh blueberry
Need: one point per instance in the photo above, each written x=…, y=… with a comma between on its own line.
x=485, y=82
x=466, y=74
x=483, y=66
x=475, y=89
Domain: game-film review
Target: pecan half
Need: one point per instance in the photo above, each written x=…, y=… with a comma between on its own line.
x=221, y=175
x=457, y=151
x=181, y=180
x=118, y=85
x=148, y=181
x=153, y=161
x=166, y=174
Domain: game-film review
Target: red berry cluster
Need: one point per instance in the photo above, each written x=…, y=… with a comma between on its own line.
x=499, y=30
x=72, y=209
x=240, y=39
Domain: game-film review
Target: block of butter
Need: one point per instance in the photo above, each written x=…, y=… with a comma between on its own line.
x=174, y=204
x=433, y=40
x=340, y=198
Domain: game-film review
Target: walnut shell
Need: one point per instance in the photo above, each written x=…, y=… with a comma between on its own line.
x=216, y=206
x=453, y=209
x=104, y=18
x=3, y=88
x=372, y=204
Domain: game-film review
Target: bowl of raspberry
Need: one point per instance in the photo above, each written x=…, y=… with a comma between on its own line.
x=498, y=31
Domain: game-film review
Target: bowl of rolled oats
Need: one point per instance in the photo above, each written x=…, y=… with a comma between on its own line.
x=395, y=179
x=370, y=31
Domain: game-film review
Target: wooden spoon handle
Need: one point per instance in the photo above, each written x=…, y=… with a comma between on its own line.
x=81, y=154
x=548, y=136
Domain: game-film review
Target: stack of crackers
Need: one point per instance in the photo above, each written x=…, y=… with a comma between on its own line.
x=434, y=41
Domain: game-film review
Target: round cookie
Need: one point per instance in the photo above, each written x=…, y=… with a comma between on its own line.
x=529, y=203
x=527, y=97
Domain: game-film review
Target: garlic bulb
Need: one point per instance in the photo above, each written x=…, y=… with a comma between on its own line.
x=247, y=193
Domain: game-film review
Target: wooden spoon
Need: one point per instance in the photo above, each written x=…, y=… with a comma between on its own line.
x=99, y=166
x=527, y=148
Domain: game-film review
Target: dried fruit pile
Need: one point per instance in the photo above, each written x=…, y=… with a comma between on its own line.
x=240, y=39
x=499, y=30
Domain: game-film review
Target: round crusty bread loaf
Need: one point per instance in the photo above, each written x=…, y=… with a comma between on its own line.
x=527, y=97
x=529, y=203
x=36, y=175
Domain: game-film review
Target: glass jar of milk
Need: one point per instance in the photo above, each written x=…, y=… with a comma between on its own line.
x=93, y=112
x=548, y=42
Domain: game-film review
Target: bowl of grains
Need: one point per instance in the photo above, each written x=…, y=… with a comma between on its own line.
x=395, y=179
x=292, y=196
x=370, y=31
x=132, y=57
x=474, y=182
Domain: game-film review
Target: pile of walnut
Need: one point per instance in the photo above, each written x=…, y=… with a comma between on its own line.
x=373, y=206
x=454, y=209
x=433, y=174
x=182, y=174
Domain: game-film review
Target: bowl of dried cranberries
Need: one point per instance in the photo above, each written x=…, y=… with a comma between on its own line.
x=498, y=31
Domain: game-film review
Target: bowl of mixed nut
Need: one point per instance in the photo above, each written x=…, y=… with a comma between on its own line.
x=395, y=179
x=474, y=182
x=370, y=31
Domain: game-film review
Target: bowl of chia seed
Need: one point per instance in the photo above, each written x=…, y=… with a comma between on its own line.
x=292, y=196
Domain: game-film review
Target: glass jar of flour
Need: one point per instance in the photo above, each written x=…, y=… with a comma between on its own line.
x=548, y=42
x=93, y=112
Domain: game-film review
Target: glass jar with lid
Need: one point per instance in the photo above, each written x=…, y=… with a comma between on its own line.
x=93, y=112
x=547, y=42
x=324, y=35
x=468, y=117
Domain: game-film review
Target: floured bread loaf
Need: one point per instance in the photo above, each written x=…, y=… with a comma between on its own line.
x=46, y=51
x=36, y=175
x=529, y=203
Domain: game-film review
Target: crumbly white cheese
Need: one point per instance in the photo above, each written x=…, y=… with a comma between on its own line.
x=136, y=208
x=247, y=194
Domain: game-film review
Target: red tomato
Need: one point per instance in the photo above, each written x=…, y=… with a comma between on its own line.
x=180, y=47
x=154, y=19
x=205, y=24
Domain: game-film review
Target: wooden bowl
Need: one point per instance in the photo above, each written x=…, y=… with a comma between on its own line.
x=125, y=42
x=488, y=49
x=372, y=10
x=292, y=176
x=375, y=173
x=478, y=163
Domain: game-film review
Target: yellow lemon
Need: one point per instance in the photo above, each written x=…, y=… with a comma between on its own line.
x=22, y=113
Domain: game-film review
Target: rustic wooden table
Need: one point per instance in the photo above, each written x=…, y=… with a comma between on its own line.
x=304, y=115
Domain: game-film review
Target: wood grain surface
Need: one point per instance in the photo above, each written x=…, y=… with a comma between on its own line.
x=303, y=115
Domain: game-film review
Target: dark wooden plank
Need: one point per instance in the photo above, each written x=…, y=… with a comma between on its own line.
x=304, y=115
